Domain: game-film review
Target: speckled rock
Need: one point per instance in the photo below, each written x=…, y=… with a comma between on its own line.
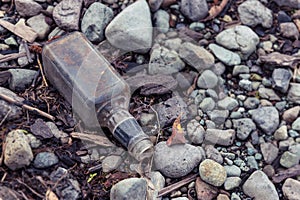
x=28, y=8
x=45, y=160
x=129, y=189
x=195, y=132
x=212, y=172
x=258, y=186
x=194, y=9
x=244, y=127
x=7, y=109
x=177, y=160
x=204, y=190
x=232, y=182
x=290, y=189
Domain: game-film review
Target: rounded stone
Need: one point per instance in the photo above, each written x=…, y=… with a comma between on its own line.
x=207, y=80
x=44, y=160
x=212, y=172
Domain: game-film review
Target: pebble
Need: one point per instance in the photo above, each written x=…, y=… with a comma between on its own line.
x=296, y=124
x=290, y=189
x=129, y=189
x=269, y=170
x=66, y=14
x=95, y=20
x=44, y=160
x=173, y=44
x=195, y=132
x=244, y=127
x=240, y=39
x=207, y=80
x=235, y=196
x=294, y=93
x=293, y=134
x=212, y=153
x=194, y=9
x=155, y=4
x=228, y=103
x=33, y=141
x=55, y=131
x=266, y=118
x=218, y=68
x=268, y=93
x=177, y=160
x=196, y=56
x=222, y=197
x=39, y=25
x=207, y=104
x=8, y=194
x=251, y=162
x=131, y=29
x=281, y=133
x=289, y=30
x=227, y=57
x=218, y=116
x=197, y=26
x=246, y=84
x=164, y=61
x=232, y=170
x=288, y=3
x=258, y=186
x=281, y=105
x=281, y=78
x=220, y=137
x=253, y=13
x=111, y=163
x=289, y=159
x=11, y=41
x=283, y=17
x=269, y=151
x=161, y=21
x=8, y=110
x=291, y=114
x=240, y=69
x=251, y=103
x=204, y=190
x=17, y=153
x=212, y=172
x=232, y=182
x=28, y=8
x=20, y=78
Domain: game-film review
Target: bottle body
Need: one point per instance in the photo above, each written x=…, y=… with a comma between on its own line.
x=97, y=93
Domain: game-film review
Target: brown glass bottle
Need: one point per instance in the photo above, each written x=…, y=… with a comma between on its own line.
x=97, y=93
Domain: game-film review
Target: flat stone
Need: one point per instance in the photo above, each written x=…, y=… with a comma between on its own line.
x=232, y=170
x=253, y=13
x=17, y=153
x=21, y=78
x=290, y=189
x=44, y=160
x=194, y=9
x=258, y=186
x=227, y=57
x=164, y=61
x=268, y=93
x=281, y=78
x=296, y=124
x=291, y=114
x=177, y=160
x=39, y=25
x=28, y=8
x=212, y=172
x=130, y=189
x=289, y=30
x=7, y=193
x=243, y=127
x=207, y=104
x=195, y=132
x=281, y=133
x=131, y=29
x=66, y=14
x=266, y=118
x=228, y=103
x=111, y=163
x=294, y=93
x=240, y=39
x=196, y=56
x=218, y=116
x=240, y=69
x=232, y=182
x=161, y=21
x=220, y=137
x=207, y=80
x=8, y=110
x=269, y=151
x=288, y=3
x=95, y=20
x=289, y=159
x=204, y=190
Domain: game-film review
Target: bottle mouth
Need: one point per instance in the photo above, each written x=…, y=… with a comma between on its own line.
x=142, y=150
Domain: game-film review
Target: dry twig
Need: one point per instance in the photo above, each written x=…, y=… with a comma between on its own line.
x=12, y=56
x=215, y=10
x=42, y=72
x=32, y=190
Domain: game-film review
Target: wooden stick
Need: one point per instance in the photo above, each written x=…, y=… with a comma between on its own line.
x=177, y=185
x=32, y=190
x=27, y=107
x=12, y=56
x=97, y=139
x=42, y=72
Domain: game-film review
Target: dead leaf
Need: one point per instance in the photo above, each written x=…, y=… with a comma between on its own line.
x=51, y=195
x=177, y=136
x=215, y=10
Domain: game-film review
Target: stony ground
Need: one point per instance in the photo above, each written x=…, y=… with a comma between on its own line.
x=229, y=69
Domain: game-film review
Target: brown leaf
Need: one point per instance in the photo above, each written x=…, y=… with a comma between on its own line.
x=215, y=10
x=177, y=136
x=51, y=195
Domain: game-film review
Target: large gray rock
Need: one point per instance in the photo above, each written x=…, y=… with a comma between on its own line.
x=259, y=187
x=164, y=61
x=28, y=8
x=17, y=152
x=131, y=29
x=243, y=127
x=281, y=78
x=253, y=13
x=227, y=57
x=196, y=56
x=266, y=118
x=240, y=39
x=177, y=160
x=212, y=172
x=8, y=110
x=39, y=25
x=290, y=189
x=94, y=21
x=66, y=14
x=194, y=9
x=221, y=137
x=294, y=93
